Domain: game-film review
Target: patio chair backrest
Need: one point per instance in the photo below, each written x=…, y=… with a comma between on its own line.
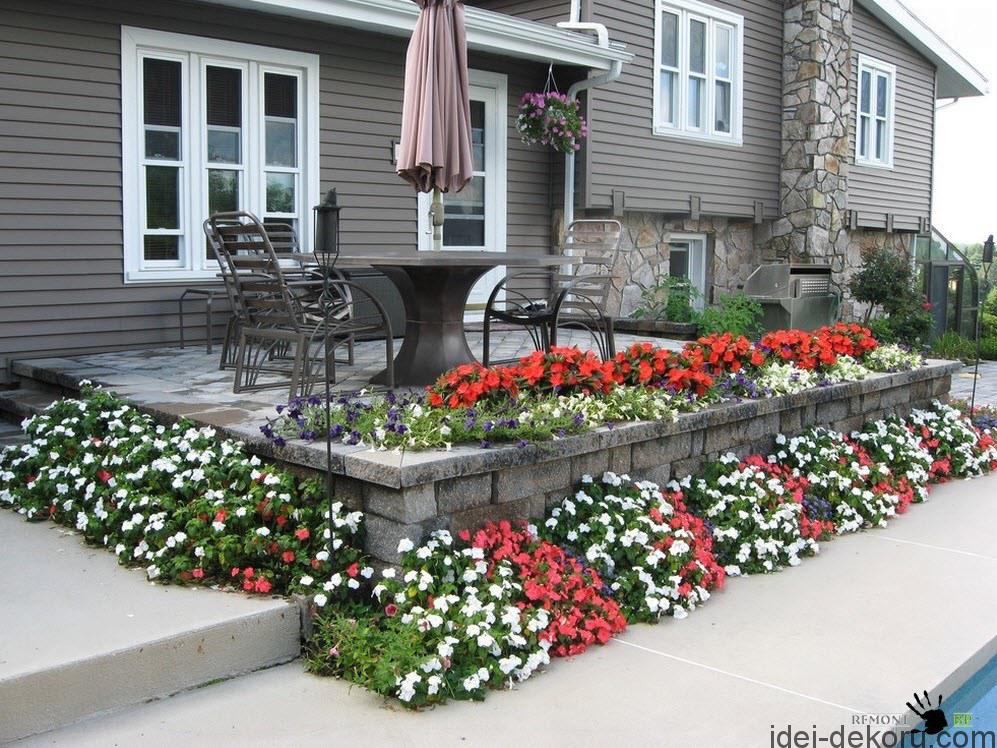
x=256, y=270
x=214, y=244
x=598, y=243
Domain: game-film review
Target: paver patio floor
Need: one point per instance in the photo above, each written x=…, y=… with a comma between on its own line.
x=850, y=633
x=986, y=385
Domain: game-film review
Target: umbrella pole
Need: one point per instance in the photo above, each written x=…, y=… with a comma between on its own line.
x=437, y=213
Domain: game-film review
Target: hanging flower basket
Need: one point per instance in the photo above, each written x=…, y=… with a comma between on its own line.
x=551, y=119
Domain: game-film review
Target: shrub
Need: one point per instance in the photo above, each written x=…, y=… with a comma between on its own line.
x=988, y=348
x=954, y=346
x=670, y=299
x=737, y=314
x=886, y=281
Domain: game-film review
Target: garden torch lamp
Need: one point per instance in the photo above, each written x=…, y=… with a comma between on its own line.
x=327, y=247
x=988, y=259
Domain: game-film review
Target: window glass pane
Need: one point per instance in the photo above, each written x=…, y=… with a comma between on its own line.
x=162, y=145
x=162, y=248
x=464, y=232
x=161, y=92
x=281, y=95
x=882, y=82
x=162, y=197
x=697, y=46
x=281, y=143
x=223, y=96
x=470, y=201
x=478, y=134
x=670, y=40
x=669, y=91
x=223, y=191
x=722, y=107
x=723, y=64
x=224, y=146
x=865, y=105
x=678, y=260
x=864, y=137
x=880, y=140
x=280, y=193
x=696, y=102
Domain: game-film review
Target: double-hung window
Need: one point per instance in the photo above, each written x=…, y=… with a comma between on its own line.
x=698, y=71
x=211, y=126
x=874, y=121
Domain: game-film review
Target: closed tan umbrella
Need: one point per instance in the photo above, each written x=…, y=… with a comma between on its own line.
x=435, y=149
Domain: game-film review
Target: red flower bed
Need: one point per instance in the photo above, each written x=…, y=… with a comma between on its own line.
x=464, y=386
x=573, y=593
x=848, y=339
x=720, y=353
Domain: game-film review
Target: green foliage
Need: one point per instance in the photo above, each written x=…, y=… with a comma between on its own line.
x=886, y=282
x=953, y=346
x=668, y=299
x=988, y=348
x=364, y=647
x=736, y=313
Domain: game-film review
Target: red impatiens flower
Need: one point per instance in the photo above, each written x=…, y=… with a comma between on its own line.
x=248, y=572
x=353, y=569
x=281, y=520
x=288, y=556
x=104, y=476
x=236, y=571
x=302, y=533
x=263, y=585
x=198, y=573
x=390, y=610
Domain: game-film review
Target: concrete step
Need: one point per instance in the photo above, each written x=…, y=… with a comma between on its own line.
x=83, y=636
x=20, y=403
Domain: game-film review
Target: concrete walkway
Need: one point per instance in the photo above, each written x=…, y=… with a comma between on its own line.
x=986, y=386
x=847, y=635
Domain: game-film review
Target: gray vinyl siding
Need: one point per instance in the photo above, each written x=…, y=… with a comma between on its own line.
x=905, y=191
x=660, y=174
x=61, y=256
x=544, y=11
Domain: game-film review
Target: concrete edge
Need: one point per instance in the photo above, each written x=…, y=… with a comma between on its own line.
x=43, y=700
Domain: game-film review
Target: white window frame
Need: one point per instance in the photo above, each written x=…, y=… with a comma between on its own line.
x=697, y=263
x=195, y=53
x=493, y=89
x=875, y=68
x=688, y=10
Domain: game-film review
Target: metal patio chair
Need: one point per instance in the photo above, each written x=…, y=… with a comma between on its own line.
x=543, y=302
x=283, y=332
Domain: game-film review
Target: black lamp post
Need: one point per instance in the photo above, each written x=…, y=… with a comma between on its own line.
x=327, y=247
x=988, y=259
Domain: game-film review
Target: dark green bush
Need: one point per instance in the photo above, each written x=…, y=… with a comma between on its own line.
x=886, y=282
x=668, y=299
x=988, y=348
x=735, y=313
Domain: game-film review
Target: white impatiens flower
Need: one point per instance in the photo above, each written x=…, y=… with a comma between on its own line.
x=405, y=545
x=320, y=600
x=306, y=580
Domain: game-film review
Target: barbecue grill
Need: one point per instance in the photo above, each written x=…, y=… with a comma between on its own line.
x=793, y=296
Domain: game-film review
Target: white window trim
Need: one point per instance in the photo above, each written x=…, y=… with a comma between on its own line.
x=135, y=42
x=874, y=66
x=496, y=166
x=699, y=281
x=702, y=11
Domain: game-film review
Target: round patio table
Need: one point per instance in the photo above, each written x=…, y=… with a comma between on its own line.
x=434, y=287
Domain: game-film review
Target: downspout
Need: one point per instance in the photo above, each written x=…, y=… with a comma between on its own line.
x=602, y=33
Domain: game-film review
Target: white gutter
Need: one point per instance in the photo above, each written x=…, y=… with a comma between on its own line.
x=487, y=31
x=602, y=33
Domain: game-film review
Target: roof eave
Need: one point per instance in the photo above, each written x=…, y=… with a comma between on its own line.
x=487, y=31
x=956, y=77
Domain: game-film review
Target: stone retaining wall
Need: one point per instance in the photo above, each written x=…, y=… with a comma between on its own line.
x=468, y=487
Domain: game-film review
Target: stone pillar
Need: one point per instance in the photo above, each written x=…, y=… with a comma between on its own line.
x=815, y=143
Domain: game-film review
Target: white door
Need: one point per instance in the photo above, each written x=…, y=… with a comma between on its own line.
x=476, y=216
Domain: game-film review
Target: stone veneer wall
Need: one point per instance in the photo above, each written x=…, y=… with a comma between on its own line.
x=731, y=254
x=815, y=143
x=472, y=487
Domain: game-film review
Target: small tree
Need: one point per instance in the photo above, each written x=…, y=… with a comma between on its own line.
x=886, y=281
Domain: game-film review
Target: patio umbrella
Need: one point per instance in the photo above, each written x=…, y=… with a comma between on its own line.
x=435, y=149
